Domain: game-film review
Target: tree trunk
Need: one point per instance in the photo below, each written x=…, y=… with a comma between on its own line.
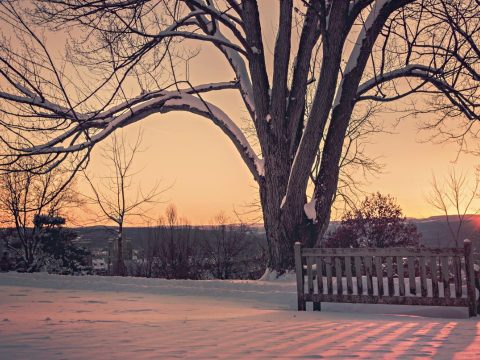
x=119, y=269
x=284, y=226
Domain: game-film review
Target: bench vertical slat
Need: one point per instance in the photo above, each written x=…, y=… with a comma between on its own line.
x=457, y=276
x=319, y=275
x=470, y=276
x=339, y=275
x=299, y=274
x=328, y=268
x=423, y=276
x=434, y=274
x=317, y=306
x=379, y=273
x=309, y=275
x=348, y=274
x=400, y=273
x=369, y=273
x=358, y=274
x=391, y=287
x=411, y=275
x=445, y=276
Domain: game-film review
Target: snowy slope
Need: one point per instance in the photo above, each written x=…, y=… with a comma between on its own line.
x=59, y=317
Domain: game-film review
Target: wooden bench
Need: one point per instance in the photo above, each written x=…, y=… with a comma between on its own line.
x=435, y=277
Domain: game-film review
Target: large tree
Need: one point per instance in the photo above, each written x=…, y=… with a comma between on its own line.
x=330, y=59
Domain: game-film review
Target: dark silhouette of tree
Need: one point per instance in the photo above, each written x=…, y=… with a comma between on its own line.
x=377, y=222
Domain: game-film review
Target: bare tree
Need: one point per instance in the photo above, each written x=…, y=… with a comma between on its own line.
x=224, y=246
x=330, y=59
x=29, y=201
x=115, y=194
x=179, y=252
x=454, y=200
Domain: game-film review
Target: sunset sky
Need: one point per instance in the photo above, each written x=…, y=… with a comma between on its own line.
x=208, y=176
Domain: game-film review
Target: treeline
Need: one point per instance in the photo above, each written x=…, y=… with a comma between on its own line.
x=173, y=249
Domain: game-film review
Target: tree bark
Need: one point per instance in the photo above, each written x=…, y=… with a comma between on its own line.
x=120, y=264
x=284, y=225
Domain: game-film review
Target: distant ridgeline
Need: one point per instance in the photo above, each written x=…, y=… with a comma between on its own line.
x=99, y=236
x=435, y=232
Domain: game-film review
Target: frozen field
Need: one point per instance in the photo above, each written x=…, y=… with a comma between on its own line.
x=60, y=317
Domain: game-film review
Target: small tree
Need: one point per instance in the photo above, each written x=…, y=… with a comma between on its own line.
x=60, y=254
x=377, y=222
x=454, y=198
x=26, y=197
x=113, y=193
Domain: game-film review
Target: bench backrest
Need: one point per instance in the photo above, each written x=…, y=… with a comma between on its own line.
x=388, y=276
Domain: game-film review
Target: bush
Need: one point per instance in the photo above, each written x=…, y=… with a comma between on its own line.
x=377, y=222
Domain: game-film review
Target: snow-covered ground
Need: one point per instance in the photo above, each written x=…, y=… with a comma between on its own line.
x=62, y=317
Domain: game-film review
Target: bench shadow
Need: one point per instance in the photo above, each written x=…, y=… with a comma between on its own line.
x=387, y=336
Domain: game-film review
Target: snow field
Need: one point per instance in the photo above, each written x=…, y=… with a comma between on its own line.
x=60, y=317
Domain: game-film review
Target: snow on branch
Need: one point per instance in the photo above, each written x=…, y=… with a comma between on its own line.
x=199, y=106
x=310, y=211
x=144, y=105
x=357, y=48
x=232, y=54
x=427, y=74
x=409, y=70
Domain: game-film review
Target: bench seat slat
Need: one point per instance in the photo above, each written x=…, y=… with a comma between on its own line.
x=396, y=300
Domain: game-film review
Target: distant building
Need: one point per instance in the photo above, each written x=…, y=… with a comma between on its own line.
x=99, y=261
x=99, y=266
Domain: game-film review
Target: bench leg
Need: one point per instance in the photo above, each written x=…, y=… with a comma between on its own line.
x=302, y=304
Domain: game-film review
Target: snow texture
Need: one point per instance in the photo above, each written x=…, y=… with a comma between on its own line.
x=284, y=199
x=239, y=67
x=309, y=209
x=62, y=317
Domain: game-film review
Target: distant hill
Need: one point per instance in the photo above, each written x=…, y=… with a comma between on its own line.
x=99, y=236
x=435, y=232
